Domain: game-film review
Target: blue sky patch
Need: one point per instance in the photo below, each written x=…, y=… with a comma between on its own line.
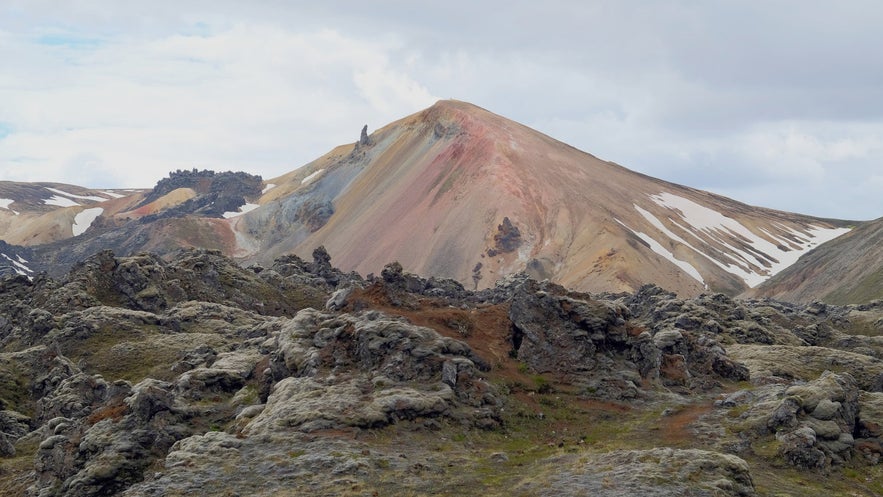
x=198, y=29
x=5, y=130
x=68, y=40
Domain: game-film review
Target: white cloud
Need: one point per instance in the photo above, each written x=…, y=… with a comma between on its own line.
x=251, y=97
x=761, y=102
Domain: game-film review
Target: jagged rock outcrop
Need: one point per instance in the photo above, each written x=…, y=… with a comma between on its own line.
x=401, y=376
x=506, y=239
x=217, y=193
x=556, y=330
x=364, y=139
x=151, y=376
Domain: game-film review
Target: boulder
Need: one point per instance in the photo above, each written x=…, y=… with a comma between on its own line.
x=660, y=472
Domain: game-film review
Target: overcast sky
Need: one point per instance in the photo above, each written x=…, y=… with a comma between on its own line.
x=773, y=103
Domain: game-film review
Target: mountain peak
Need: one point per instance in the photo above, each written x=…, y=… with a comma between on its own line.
x=459, y=192
x=433, y=190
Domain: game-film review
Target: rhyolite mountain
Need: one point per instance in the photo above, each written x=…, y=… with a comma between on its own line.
x=459, y=192
x=452, y=191
x=138, y=358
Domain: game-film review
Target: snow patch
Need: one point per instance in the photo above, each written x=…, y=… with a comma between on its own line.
x=60, y=201
x=754, y=266
x=242, y=210
x=733, y=269
x=71, y=195
x=659, y=249
x=5, y=203
x=113, y=194
x=84, y=219
x=309, y=179
x=17, y=266
x=267, y=188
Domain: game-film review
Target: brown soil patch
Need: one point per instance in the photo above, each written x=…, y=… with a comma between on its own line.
x=486, y=328
x=675, y=429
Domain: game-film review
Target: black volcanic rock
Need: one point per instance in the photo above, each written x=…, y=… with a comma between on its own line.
x=506, y=239
x=217, y=193
x=142, y=375
x=561, y=331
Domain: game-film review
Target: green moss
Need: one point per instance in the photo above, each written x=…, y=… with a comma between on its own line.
x=768, y=448
x=541, y=384
x=134, y=354
x=15, y=389
x=738, y=411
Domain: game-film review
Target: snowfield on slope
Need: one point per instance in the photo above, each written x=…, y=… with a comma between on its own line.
x=312, y=177
x=755, y=265
x=71, y=195
x=84, y=219
x=242, y=210
x=60, y=201
x=5, y=203
x=659, y=249
x=19, y=267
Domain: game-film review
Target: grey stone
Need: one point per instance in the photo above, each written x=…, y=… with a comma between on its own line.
x=338, y=299
x=667, y=338
x=799, y=448
x=826, y=409
x=449, y=373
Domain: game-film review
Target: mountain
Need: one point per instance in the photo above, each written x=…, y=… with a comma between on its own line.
x=846, y=270
x=39, y=213
x=63, y=224
x=459, y=192
x=453, y=191
x=138, y=357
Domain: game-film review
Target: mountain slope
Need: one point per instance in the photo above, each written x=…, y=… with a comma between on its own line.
x=38, y=213
x=457, y=191
x=846, y=270
x=452, y=191
x=186, y=209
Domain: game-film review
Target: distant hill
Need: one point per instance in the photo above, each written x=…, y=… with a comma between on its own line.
x=846, y=270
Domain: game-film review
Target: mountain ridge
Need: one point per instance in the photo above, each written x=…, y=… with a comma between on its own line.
x=455, y=161
x=432, y=190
